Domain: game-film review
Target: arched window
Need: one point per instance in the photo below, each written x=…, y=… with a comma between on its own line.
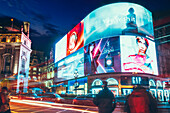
x=97, y=82
x=151, y=82
x=112, y=81
x=158, y=83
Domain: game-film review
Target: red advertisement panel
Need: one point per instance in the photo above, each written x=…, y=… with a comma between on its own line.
x=75, y=38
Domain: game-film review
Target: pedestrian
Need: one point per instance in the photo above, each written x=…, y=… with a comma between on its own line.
x=4, y=101
x=140, y=101
x=105, y=100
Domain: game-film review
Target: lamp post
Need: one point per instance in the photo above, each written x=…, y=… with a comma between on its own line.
x=76, y=84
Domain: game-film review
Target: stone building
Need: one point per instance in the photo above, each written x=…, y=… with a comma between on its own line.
x=15, y=49
x=162, y=38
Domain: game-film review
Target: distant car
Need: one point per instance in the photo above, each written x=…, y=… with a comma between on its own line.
x=84, y=100
x=30, y=96
x=35, y=90
x=13, y=95
x=52, y=97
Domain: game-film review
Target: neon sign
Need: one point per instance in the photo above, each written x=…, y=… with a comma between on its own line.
x=136, y=80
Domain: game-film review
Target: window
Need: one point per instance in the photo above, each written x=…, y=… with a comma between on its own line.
x=23, y=53
x=34, y=68
x=7, y=63
x=25, y=42
x=8, y=50
x=35, y=78
x=3, y=40
x=13, y=39
x=97, y=82
x=23, y=65
x=29, y=78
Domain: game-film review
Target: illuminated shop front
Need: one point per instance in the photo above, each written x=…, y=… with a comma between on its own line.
x=112, y=85
x=152, y=87
x=77, y=86
x=113, y=43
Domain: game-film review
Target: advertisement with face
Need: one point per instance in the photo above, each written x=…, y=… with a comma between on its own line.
x=96, y=53
x=117, y=19
x=138, y=54
x=60, y=49
x=75, y=38
x=70, y=65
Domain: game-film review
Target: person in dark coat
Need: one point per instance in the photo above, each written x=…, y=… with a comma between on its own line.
x=4, y=101
x=105, y=100
x=140, y=101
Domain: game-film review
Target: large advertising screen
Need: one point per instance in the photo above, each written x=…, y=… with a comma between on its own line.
x=95, y=55
x=75, y=38
x=60, y=49
x=138, y=54
x=71, y=42
x=117, y=19
x=71, y=66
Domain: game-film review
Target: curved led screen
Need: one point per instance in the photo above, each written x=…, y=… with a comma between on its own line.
x=117, y=19
x=107, y=21
x=138, y=54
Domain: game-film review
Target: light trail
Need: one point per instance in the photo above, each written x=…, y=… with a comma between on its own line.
x=51, y=105
x=60, y=104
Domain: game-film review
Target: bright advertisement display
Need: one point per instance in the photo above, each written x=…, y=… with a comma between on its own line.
x=96, y=52
x=75, y=38
x=60, y=49
x=117, y=19
x=71, y=65
x=138, y=54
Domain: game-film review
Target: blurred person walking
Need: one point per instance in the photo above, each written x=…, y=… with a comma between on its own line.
x=4, y=101
x=140, y=101
x=105, y=100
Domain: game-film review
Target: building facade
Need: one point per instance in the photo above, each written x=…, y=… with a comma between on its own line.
x=37, y=57
x=15, y=49
x=116, y=47
x=162, y=37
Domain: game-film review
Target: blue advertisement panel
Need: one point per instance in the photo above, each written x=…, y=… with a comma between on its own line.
x=117, y=19
x=97, y=52
x=138, y=54
x=71, y=65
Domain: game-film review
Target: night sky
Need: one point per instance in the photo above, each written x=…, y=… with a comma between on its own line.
x=50, y=20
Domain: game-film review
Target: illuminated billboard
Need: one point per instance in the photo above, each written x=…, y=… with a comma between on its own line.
x=95, y=55
x=71, y=64
x=138, y=54
x=60, y=49
x=107, y=21
x=71, y=42
x=117, y=19
x=75, y=38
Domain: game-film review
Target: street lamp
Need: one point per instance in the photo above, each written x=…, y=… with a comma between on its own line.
x=76, y=84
